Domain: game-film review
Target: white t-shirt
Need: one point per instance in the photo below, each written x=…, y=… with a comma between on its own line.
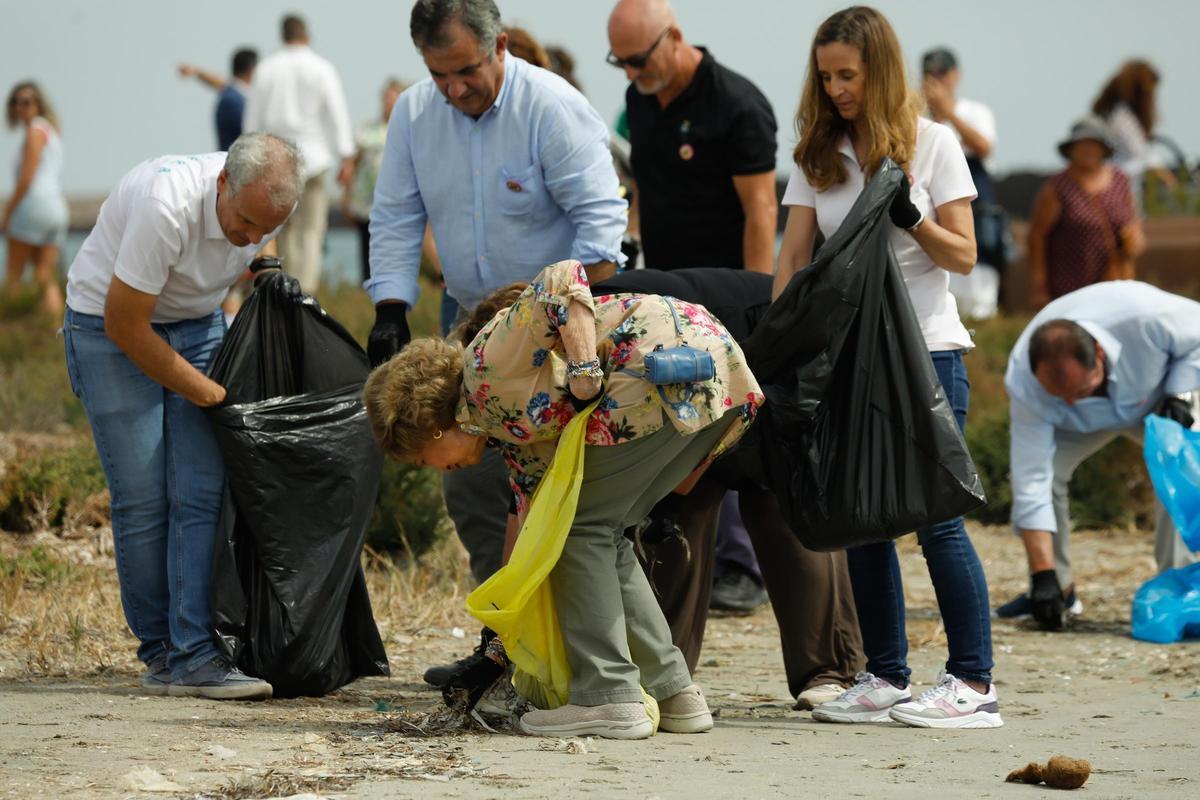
x=940, y=175
x=979, y=117
x=158, y=232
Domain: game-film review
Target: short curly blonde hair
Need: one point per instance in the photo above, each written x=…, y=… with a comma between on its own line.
x=413, y=395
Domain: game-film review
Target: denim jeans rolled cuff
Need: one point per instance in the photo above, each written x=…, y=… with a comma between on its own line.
x=165, y=477
x=954, y=569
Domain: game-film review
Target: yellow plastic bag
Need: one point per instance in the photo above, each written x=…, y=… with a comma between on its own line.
x=517, y=603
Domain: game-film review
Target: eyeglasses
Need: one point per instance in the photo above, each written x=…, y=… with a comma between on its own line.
x=22, y=101
x=638, y=61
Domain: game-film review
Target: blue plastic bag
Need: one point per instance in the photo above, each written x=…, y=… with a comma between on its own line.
x=1172, y=455
x=1167, y=607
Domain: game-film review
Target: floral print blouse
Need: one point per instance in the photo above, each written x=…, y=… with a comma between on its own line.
x=515, y=377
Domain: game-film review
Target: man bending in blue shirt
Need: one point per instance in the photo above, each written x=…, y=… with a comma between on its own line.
x=1089, y=368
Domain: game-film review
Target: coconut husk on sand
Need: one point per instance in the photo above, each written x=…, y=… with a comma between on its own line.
x=1059, y=772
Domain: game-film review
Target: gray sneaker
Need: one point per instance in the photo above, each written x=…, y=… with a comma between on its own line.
x=219, y=680
x=156, y=680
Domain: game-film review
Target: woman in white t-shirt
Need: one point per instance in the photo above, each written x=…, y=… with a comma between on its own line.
x=856, y=109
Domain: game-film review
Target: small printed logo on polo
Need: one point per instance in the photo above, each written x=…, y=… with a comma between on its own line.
x=962, y=701
x=513, y=186
x=686, y=152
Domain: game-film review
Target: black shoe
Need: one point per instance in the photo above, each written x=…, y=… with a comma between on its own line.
x=737, y=592
x=439, y=675
x=1046, y=599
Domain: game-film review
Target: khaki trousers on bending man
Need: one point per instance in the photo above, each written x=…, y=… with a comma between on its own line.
x=302, y=240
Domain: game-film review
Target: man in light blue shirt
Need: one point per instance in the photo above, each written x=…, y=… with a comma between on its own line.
x=510, y=167
x=507, y=162
x=1089, y=368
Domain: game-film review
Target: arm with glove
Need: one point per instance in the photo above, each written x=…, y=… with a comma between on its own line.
x=949, y=239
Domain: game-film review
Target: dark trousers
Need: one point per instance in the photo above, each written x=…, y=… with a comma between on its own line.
x=810, y=592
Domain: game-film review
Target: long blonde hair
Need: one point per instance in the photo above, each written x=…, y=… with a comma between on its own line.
x=890, y=109
x=45, y=110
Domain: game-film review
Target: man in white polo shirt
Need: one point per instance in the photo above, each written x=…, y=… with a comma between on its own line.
x=143, y=319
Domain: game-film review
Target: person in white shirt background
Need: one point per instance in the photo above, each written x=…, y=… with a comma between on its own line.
x=856, y=110
x=297, y=95
x=143, y=320
x=974, y=123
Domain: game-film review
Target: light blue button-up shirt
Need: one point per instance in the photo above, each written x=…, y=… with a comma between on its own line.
x=530, y=183
x=1151, y=342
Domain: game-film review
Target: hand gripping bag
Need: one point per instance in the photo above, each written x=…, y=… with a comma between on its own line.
x=1172, y=455
x=856, y=439
x=517, y=602
x=289, y=598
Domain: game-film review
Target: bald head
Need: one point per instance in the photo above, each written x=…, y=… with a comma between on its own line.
x=645, y=41
x=639, y=18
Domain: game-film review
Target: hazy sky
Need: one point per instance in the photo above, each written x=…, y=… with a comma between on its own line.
x=109, y=67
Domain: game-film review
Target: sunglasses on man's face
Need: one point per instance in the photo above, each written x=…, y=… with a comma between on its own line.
x=638, y=61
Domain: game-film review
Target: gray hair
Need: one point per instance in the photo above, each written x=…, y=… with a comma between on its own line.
x=274, y=161
x=431, y=19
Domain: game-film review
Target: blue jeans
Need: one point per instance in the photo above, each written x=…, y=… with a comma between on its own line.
x=954, y=568
x=166, y=478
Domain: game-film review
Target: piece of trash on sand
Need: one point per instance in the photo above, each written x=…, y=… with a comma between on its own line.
x=458, y=633
x=574, y=747
x=315, y=743
x=1059, y=772
x=217, y=751
x=145, y=779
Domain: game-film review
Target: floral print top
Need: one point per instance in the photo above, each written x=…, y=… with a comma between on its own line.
x=515, y=377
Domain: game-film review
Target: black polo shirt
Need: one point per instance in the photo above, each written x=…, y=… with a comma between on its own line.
x=684, y=158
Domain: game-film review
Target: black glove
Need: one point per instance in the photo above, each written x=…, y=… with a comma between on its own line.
x=1177, y=409
x=1046, y=597
x=389, y=334
x=475, y=675
x=902, y=211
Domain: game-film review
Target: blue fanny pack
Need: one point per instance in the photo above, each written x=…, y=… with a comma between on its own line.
x=679, y=364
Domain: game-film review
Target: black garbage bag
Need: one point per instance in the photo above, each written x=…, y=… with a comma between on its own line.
x=289, y=597
x=857, y=439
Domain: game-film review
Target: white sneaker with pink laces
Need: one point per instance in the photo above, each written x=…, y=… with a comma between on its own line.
x=950, y=704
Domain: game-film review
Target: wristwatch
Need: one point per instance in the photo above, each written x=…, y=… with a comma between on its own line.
x=584, y=369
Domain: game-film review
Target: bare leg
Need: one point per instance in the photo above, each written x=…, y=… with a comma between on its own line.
x=19, y=254
x=45, y=274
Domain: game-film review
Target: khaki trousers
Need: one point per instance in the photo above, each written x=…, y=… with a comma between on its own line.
x=302, y=240
x=615, y=635
x=1070, y=450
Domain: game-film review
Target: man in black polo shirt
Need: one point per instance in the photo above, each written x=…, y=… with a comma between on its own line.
x=703, y=147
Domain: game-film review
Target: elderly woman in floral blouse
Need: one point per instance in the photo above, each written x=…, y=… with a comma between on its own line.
x=516, y=385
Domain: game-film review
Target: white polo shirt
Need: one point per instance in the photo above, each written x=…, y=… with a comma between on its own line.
x=158, y=232
x=939, y=174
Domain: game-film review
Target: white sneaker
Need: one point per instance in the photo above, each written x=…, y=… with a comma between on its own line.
x=685, y=712
x=814, y=696
x=611, y=721
x=950, y=704
x=868, y=700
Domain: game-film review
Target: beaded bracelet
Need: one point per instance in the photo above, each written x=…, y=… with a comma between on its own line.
x=585, y=369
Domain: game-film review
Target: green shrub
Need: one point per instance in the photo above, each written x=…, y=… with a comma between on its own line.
x=37, y=566
x=41, y=486
x=410, y=514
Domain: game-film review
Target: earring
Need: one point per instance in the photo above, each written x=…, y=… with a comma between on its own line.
x=437, y=434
